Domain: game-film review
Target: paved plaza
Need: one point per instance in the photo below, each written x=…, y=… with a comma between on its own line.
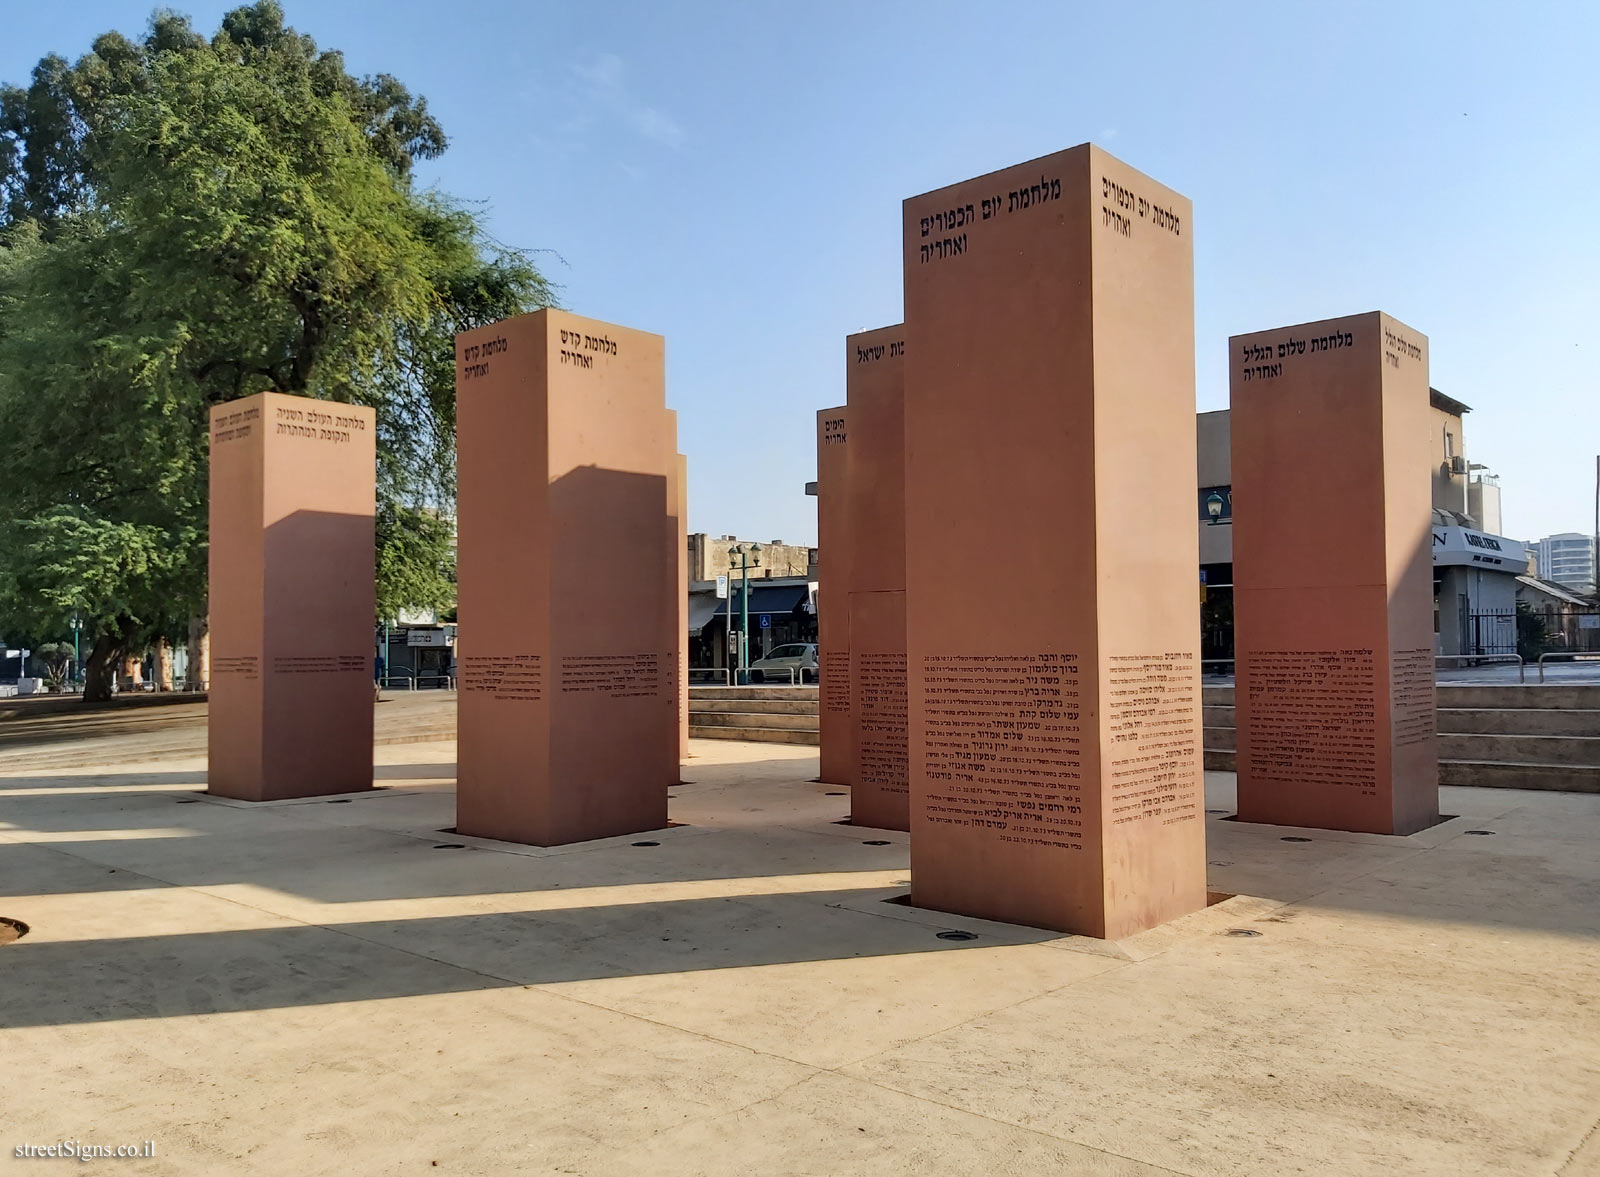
x=344, y=986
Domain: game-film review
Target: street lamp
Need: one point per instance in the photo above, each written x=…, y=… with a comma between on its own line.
x=77, y=628
x=1214, y=506
x=749, y=556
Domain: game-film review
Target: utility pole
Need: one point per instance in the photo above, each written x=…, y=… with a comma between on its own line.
x=749, y=557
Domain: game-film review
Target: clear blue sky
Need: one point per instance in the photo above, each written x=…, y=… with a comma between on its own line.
x=730, y=176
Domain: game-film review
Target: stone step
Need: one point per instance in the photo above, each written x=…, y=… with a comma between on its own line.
x=1497, y=721
x=1221, y=738
x=794, y=723
x=1222, y=696
x=755, y=735
x=1482, y=774
x=418, y=734
x=1551, y=696
x=1562, y=778
x=1520, y=721
x=753, y=693
x=1504, y=749
x=699, y=706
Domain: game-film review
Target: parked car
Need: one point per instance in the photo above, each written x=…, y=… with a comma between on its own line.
x=800, y=657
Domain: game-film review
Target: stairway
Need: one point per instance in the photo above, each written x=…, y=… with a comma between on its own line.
x=1506, y=737
x=767, y=715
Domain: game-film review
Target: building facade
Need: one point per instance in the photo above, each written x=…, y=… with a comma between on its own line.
x=708, y=558
x=1567, y=559
x=782, y=611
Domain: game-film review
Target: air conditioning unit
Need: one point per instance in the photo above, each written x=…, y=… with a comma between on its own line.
x=1458, y=465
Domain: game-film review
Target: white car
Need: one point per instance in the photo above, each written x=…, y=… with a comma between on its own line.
x=800, y=658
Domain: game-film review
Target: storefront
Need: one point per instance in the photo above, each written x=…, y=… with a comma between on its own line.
x=782, y=610
x=1475, y=591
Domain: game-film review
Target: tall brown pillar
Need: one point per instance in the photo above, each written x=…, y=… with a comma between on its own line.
x=567, y=717
x=834, y=549
x=875, y=493
x=1051, y=636
x=1333, y=576
x=681, y=540
x=291, y=564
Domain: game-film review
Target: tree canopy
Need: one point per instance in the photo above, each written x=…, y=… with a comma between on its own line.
x=185, y=221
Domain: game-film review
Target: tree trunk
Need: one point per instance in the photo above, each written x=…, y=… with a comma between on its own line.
x=100, y=670
x=132, y=675
x=199, y=671
x=163, y=667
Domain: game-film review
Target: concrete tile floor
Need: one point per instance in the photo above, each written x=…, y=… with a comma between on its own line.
x=312, y=987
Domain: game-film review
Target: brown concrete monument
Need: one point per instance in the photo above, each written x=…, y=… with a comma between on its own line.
x=291, y=565
x=834, y=548
x=681, y=539
x=875, y=495
x=568, y=718
x=1054, y=736
x=1333, y=576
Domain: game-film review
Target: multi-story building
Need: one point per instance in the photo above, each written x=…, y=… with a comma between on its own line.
x=1567, y=559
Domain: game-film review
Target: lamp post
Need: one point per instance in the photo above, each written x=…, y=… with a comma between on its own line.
x=1214, y=506
x=749, y=556
x=77, y=628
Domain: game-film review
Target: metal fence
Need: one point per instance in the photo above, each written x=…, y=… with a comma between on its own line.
x=1489, y=631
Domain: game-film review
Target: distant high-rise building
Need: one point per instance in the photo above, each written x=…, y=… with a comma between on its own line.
x=1568, y=560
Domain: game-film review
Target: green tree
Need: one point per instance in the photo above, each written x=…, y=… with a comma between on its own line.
x=183, y=222
x=54, y=658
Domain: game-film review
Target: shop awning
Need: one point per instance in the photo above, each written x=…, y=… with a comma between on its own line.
x=702, y=608
x=770, y=598
x=777, y=599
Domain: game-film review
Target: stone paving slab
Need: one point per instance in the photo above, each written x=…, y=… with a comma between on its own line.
x=313, y=987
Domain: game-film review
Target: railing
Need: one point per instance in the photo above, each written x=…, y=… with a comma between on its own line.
x=1475, y=659
x=1565, y=656
x=1480, y=659
x=796, y=675
x=413, y=680
x=712, y=673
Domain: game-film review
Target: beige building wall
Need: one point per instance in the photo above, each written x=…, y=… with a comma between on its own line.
x=708, y=558
x=1447, y=441
x=1214, y=465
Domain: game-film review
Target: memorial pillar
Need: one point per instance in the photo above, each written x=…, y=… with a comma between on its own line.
x=681, y=541
x=875, y=493
x=1051, y=633
x=291, y=573
x=566, y=569
x=834, y=547
x=1333, y=576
